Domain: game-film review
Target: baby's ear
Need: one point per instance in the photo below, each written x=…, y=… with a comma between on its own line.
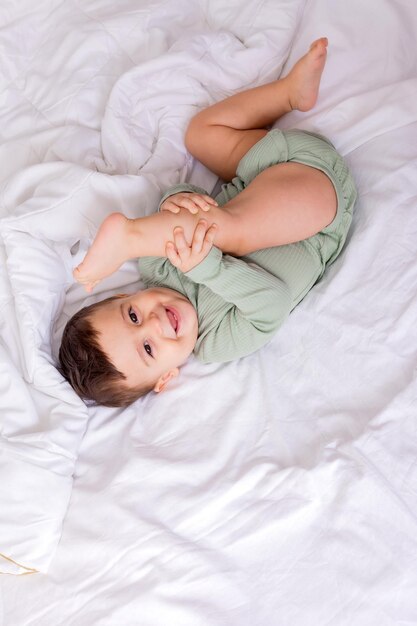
x=165, y=378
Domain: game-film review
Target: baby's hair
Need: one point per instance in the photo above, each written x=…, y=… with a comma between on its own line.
x=86, y=366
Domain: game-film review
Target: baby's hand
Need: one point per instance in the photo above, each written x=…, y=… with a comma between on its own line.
x=186, y=200
x=185, y=256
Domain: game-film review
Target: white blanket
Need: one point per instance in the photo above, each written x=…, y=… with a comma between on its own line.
x=96, y=108
x=277, y=489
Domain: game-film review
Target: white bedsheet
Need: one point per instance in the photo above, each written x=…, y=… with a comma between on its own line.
x=276, y=490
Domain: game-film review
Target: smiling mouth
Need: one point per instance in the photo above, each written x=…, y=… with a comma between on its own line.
x=173, y=319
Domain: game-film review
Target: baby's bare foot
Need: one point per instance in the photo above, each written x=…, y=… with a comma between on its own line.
x=304, y=78
x=107, y=253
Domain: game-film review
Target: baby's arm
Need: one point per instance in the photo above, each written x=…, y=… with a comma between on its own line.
x=252, y=303
x=255, y=304
x=241, y=309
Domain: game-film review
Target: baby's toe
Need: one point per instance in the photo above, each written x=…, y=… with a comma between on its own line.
x=90, y=286
x=80, y=277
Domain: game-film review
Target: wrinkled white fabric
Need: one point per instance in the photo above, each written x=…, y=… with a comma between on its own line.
x=95, y=102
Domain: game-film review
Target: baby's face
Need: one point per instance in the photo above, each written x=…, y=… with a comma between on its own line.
x=147, y=334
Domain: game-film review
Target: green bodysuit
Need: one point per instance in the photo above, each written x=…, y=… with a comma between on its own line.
x=241, y=302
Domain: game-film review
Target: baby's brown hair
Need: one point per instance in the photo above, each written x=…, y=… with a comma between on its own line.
x=86, y=366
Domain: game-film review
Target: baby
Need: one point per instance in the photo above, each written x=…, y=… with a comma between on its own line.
x=281, y=218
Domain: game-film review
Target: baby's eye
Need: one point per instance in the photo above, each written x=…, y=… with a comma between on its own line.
x=148, y=348
x=133, y=316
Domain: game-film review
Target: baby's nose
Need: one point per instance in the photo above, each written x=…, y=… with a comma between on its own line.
x=161, y=324
x=156, y=324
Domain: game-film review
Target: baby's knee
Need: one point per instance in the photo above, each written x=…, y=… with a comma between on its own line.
x=192, y=138
x=199, y=134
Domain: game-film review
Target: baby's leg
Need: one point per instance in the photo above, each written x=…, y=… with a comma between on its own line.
x=110, y=249
x=219, y=137
x=120, y=239
x=285, y=203
x=222, y=134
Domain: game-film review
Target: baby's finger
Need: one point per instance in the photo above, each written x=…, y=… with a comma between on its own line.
x=209, y=238
x=198, y=237
x=168, y=205
x=180, y=243
x=172, y=254
x=210, y=200
x=188, y=203
x=203, y=202
x=212, y=232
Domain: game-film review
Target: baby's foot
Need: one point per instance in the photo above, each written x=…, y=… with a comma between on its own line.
x=304, y=78
x=108, y=252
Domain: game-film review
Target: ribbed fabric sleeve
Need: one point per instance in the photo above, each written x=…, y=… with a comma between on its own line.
x=258, y=304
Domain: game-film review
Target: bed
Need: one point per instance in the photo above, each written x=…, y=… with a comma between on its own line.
x=276, y=490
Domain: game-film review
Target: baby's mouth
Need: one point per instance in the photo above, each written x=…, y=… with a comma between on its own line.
x=173, y=318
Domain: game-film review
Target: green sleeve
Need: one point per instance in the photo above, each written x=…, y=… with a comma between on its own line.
x=182, y=188
x=256, y=304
